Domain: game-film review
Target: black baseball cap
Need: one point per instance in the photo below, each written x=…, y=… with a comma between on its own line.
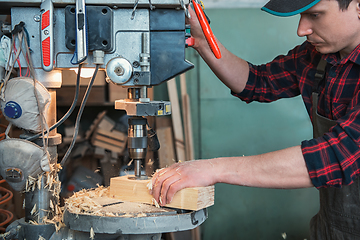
x=285, y=8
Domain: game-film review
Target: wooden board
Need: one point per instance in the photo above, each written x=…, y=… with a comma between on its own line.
x=131, y=190
x=164, y=132
x=189, y=142
x=176, y=119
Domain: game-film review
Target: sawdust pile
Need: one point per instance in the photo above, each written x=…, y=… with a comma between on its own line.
x=82, y=203
x=98, y=202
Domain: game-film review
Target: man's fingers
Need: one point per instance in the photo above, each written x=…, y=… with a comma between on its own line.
x=164, y=192
x=158, y=180
x=173, y=189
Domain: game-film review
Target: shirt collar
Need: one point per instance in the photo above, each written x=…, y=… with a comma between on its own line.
x=334, y=58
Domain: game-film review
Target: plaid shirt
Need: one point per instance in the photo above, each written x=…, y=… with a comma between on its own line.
x=334, y=158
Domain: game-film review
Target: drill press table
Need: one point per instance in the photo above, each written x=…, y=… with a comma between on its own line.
x=126, y=220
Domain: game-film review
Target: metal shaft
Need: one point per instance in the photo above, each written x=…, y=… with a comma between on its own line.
x=137, y=142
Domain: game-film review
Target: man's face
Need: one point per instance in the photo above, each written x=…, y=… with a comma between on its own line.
x=331, y=29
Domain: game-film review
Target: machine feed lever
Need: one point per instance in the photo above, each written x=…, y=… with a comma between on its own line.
x=81, y=32
x=47, y=35
x=210, y=38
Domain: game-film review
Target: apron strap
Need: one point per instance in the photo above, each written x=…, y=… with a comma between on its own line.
x=319, y=75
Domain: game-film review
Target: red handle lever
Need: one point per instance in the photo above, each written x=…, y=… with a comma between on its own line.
x=207, y=30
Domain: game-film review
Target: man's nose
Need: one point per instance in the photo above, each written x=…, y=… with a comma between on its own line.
x=304, y=28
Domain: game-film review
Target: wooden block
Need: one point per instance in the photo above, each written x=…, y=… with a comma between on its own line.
x=111, y=140
x=106, y=123
x=131, y=190
x=94, y=125
x=108, y=146
x=115, y=134
x=99, y=152
x=69, y=78
x=65, y=95
x=117, y=92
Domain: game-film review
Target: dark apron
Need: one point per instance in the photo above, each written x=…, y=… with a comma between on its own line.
x=339, y=214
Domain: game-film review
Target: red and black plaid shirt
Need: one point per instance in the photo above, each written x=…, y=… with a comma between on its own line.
x=334, y=158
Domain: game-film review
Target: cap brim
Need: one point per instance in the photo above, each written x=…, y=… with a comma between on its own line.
x=282, y=8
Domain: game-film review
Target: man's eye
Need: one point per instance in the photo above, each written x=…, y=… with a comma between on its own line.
x=314, y=15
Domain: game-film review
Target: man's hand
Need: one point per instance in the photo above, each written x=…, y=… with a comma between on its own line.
x=166, y=182
x=195, y=29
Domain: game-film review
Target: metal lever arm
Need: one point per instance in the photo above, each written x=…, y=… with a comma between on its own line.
x=81, y=31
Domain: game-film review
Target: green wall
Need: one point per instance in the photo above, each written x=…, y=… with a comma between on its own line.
x=225, y=126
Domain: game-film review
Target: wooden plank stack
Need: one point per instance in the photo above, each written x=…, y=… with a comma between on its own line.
x=105, y=136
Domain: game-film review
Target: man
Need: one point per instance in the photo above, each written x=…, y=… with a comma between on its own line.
x=330, y=161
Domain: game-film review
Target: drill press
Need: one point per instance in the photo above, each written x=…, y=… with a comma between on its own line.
x=141, y=44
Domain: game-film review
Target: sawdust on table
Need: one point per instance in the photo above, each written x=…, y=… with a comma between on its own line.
x=93, y=202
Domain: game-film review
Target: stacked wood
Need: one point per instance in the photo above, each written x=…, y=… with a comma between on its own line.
x=127, y=189
x=105, y=136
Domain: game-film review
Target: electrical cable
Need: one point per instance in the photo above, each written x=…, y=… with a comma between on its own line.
x=2, y=134
x=77, y=123
x=4, y=199
x=68, y=113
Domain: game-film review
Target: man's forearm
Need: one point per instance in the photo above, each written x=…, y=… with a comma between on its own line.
x=230, y=69
x=280, y=169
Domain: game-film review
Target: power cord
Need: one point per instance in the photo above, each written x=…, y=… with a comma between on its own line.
x=77, y=123
x=68, y=113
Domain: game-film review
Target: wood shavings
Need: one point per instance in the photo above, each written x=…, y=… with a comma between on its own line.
x=149, y=185
x=82, y=203
x=47, y=181
x=130, y=162
x=51, y=205
x=39, y=182
x=41, y=238
x=155, y=203
x=128, y=215
x=33, y=222
x=92, y=234
x=110, y=214
x=141, y=215
x=33, y=210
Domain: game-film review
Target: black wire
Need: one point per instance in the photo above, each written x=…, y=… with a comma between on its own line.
x=77, y=123
x=68, y=113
